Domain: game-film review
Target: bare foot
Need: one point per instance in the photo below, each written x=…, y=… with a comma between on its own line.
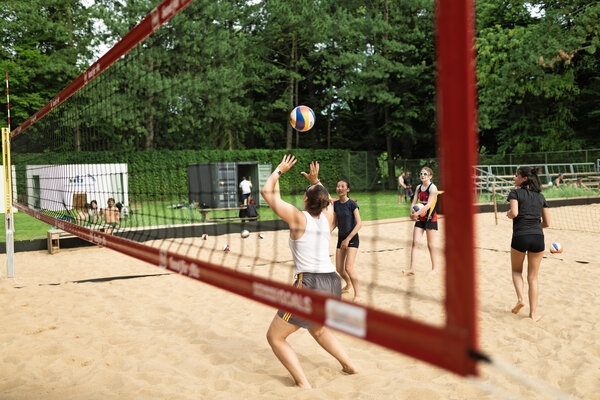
x=357, y=299
x=350, y=370
x=432, y=272
x=534, y=317
x=304, y=385
x=518, y=307
x=346, y=289
x=408, y=272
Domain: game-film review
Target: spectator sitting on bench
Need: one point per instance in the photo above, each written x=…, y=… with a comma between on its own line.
x=558, y=180
x=84, y=217
x=112, y=216
x=579, y=184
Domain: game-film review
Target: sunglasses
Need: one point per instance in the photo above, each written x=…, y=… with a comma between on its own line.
x=424, y=173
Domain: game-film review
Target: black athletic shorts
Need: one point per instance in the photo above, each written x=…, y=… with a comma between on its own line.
x=426, y=225
x=329, y=283
x=353, y=242
x=525, y=243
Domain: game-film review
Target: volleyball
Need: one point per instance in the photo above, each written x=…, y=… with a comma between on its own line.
x=204, y=236
x=245, y=234
x=555, y=248
x=261, y=236
x=302, y=118
x=226, y=248
x=417, y=208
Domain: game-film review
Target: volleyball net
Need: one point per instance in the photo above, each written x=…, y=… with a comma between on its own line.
x=77, y=169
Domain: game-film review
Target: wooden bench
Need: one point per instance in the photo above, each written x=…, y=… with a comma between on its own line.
x=205, y=215
x=54, y=236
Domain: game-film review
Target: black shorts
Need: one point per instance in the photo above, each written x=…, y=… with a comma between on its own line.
x=426, y=225
x=353, y=242
x=329, y=283
x=525, y=243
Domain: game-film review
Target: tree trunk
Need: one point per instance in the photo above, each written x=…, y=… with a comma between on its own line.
x=150, y=121
x=289, y=136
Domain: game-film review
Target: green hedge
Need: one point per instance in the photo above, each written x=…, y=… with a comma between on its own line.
x=162, y=174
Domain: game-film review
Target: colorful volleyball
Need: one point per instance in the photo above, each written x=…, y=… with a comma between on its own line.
x=555, y=248
x=226, y=248
x=245, y=234
x=417, y=208
x=261, y=236
x=302, y=118
x=204, y=236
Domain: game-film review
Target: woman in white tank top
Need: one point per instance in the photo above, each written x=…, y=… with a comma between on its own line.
x=310, y=232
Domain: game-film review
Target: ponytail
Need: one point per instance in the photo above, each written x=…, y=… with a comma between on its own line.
x=532, y=182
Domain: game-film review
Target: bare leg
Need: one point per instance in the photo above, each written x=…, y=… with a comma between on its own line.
x=516, y=260
x=278, y=331
x=351, y=253
x=325, y=338
x=340, y=259
x=533, y=266
x=417, y=234
x=431, y=237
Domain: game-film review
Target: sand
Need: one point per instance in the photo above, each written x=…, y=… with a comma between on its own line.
x=91, y=323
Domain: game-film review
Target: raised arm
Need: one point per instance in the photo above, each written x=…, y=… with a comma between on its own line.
x=283, y=209
x=313, y=178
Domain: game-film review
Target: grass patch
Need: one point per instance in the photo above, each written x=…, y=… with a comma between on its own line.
x=373, y=206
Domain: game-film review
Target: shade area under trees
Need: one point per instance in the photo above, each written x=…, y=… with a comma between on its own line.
x=367, y=68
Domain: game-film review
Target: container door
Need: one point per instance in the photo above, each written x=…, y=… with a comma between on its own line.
x=227, y=184
x=264, y=171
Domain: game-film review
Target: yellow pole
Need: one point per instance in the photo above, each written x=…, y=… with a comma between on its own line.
x=5, y=133
x=8, y=214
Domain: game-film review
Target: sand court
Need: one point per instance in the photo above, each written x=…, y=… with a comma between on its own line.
x=91, y=323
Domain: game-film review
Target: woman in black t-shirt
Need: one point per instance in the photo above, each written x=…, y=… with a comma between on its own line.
x=529, y=212
x=348, y=221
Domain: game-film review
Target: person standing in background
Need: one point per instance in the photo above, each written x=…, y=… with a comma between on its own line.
x=401, y=188
x=408, y=192
x=246, y=188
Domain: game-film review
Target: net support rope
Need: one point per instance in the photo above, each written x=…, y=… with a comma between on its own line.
x=517, y=375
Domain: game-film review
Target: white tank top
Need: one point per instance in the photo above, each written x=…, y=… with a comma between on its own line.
x=311, y=251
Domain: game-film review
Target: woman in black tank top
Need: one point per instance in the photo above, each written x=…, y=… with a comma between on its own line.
x=529, y=212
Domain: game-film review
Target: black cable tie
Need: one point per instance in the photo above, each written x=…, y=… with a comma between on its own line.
x=477, y=355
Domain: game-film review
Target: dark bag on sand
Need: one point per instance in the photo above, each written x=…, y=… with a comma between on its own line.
x=251, y=211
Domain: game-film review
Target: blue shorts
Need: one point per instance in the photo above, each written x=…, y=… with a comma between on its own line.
x=525, y=243
x=246, y=195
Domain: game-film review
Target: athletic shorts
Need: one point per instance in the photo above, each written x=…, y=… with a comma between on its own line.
x=408, y=193
x=246, y=195
x=400, y=190
x=353, y=242
x=329, y=283
x=525, y=243
x=427, y=225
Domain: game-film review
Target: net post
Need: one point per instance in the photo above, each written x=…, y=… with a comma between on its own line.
x=495, y=203
x=457, y=133
x=8, y=214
